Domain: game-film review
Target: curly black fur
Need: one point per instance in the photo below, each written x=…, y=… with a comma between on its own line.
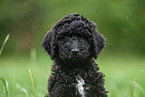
x=73, y=43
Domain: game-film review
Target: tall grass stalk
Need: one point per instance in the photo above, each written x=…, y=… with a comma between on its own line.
x=6, y=39
x=6, y=91
x=32, y=82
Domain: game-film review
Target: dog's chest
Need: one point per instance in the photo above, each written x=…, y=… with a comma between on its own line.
x=80, y=85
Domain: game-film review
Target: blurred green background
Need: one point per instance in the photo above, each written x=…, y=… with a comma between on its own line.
x=122, y=22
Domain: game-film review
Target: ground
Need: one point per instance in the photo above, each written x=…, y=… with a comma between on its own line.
x=125, y=74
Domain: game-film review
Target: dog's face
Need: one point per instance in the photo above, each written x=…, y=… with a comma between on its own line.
x=73, y=49
x=73, y=39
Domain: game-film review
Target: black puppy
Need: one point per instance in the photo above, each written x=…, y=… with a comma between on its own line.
x=73, y=43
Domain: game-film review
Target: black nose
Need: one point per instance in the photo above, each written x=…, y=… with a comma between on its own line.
x=75, y=51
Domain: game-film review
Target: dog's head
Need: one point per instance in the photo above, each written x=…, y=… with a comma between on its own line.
x=73, y=37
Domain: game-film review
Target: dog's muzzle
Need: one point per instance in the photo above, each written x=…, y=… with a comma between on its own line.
x=75, y=51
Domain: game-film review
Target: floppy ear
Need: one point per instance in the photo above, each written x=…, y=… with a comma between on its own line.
x=48, y=43
x=98, y=42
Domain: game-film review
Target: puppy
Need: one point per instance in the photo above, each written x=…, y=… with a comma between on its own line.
x=73, y=43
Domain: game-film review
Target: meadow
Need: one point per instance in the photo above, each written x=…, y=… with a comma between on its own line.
x=124, y=74
x=25, y=72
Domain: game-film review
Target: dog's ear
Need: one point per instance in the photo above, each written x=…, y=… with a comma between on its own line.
x=47, y=44
x=98, y=43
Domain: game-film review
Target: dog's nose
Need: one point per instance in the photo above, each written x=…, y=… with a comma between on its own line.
x=75, y=51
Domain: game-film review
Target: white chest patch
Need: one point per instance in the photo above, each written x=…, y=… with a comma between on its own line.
x=79, y=85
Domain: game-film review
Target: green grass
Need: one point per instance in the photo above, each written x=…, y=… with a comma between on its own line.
x=5, y=41
x=125, y=75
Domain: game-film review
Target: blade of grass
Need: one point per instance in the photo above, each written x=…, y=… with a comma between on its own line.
x=5, y=83
x=22, y=89
x=2, y=91
x=132, y=89
x=134, y=86
x=7, y=87
x=6, y=39
x=32, y=82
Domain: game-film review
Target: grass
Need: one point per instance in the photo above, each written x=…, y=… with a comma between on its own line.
x=125, y=75
x=5, y=41
x=32, y=82
x=6, y=88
